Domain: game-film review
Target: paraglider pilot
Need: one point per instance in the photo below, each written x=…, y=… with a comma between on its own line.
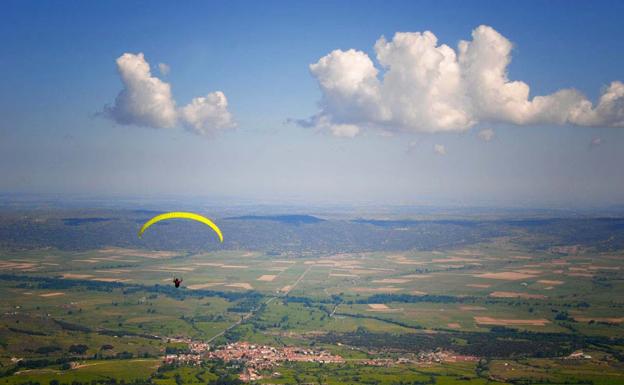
x=177, y=282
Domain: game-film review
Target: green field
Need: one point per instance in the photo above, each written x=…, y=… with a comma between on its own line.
x=130, y=370
x=97, y=315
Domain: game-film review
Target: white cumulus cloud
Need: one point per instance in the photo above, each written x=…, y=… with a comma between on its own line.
x=487, y=134
x=147, y=101
x=164, y=69
x=420, y=85
x=205, y=114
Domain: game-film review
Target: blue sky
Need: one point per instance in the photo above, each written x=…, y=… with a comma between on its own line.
x=59, y=73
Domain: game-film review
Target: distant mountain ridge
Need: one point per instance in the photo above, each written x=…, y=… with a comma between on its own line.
x=295, y=234
x=413, y=222
x=79, y=221
x=290, y=219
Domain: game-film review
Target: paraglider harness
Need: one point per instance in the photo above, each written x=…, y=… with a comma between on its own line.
x=177, y=282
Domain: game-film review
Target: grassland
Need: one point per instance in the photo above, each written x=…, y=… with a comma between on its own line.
x=85, y=372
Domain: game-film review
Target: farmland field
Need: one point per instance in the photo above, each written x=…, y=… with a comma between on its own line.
x=522, y=305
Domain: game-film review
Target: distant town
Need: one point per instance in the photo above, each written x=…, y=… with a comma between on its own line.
x=255, y=358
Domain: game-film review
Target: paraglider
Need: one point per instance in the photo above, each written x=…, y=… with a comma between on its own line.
x=182, y=215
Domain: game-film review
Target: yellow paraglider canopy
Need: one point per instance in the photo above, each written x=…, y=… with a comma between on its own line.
x=182, y=215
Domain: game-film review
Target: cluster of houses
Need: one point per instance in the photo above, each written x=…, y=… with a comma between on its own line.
x=422, y=357
x=256, y=358
x=183, y=359
x=253, y=358
x=265, y=357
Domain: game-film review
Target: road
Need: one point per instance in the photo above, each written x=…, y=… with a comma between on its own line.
x=254, y=311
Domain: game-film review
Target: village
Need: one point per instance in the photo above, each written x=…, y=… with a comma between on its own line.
x=256, y=358
x=437, y=356
x=253, y=357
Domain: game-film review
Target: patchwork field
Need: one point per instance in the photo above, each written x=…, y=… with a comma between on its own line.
x=488, y=279
x=73, y=315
